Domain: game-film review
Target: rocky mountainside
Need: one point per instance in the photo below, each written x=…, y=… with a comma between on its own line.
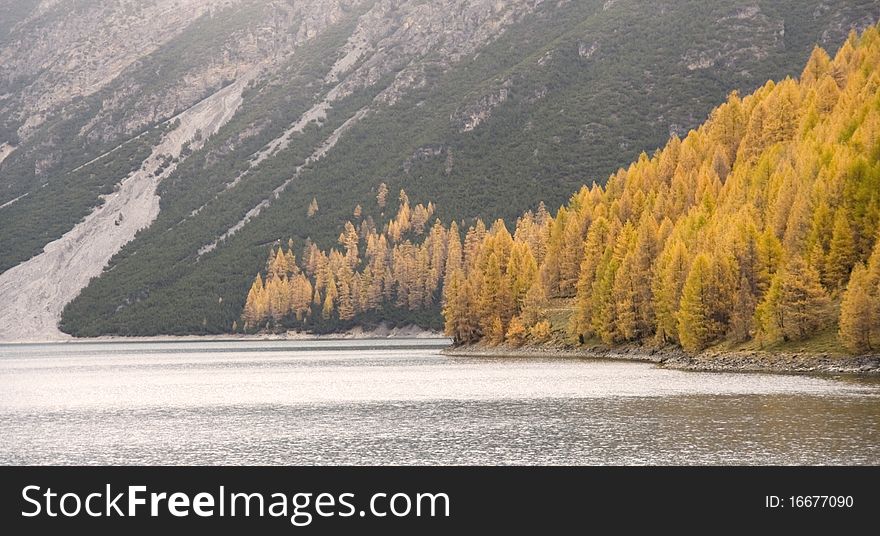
x=151, y=151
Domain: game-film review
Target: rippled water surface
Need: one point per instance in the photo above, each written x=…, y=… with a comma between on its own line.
x=401, y=402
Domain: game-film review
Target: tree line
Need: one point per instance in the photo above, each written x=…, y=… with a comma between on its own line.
x=401, y=264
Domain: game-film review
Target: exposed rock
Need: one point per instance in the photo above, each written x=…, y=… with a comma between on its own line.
x=586, y=51
x=5, y=150
x=68, y=53
x=46, y=162
x=34, y=293
x=470, y=117
x=744, y=34
x=424, y=154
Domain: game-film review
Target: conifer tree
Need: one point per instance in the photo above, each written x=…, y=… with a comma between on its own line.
x=795, y=305
x=672, y=272
x=550, y=271
x=858, y=322
x=770, y=254
x=817, y=67
x=278, y=297
x=459, y=311
x=349, y=239
x=522, y=270
x=255, y=308
x=602, y=306
x=571, y=252
x=495, y=330
x=453, y=252
x=330, y=298
x=300, y=296
x=841, y=253
x=633, y=293
x=743, y=312
x=696, y=326
x=489, y=302
x=533, y=304
x=346, y=306
x=598, y=238
x=516, y=332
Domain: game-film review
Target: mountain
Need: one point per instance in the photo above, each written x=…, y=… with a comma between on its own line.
x=152, y=152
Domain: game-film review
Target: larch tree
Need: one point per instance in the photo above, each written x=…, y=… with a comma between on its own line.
x=255, y=306
x=742, y=314
x=550, y=271
x=639, y=263
x=841, y=252
x=696, y=326
x=459, y=312
x=300, y=296
x=671, y=274
x=571, y=252
x=516, y=332
x=602, y=307
x=489, y=303
x=858, y=322
x=770, y=255
x=347, y=301
x=522, y=270
x=534, y=302
x=453, y=252
x=279, y=298
x=276, y=265
x=598, y=239
x=350, y=239
x=330, y=297
x=796, y=303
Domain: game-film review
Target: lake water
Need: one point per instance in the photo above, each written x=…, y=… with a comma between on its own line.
x=401, y=402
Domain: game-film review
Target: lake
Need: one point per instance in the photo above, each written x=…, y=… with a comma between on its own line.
x=402, y=402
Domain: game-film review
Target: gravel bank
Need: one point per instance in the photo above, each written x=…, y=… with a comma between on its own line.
x=705, y=362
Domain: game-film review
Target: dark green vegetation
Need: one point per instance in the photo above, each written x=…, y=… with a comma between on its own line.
x=568, y=95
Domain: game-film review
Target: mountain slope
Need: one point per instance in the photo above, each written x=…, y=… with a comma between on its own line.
x=482, y=107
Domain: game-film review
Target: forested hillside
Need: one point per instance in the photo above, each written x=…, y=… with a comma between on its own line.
x=751, y=227
x=760, y=226
x=500, y=110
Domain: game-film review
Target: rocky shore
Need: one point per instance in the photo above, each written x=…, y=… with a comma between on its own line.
x=673, y=358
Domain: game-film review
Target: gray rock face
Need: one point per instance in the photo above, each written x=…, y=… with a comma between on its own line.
x=61, y=52
x=118, y=52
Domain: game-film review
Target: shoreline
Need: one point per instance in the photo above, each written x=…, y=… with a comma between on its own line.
x=381, y=333
x=671, y=358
